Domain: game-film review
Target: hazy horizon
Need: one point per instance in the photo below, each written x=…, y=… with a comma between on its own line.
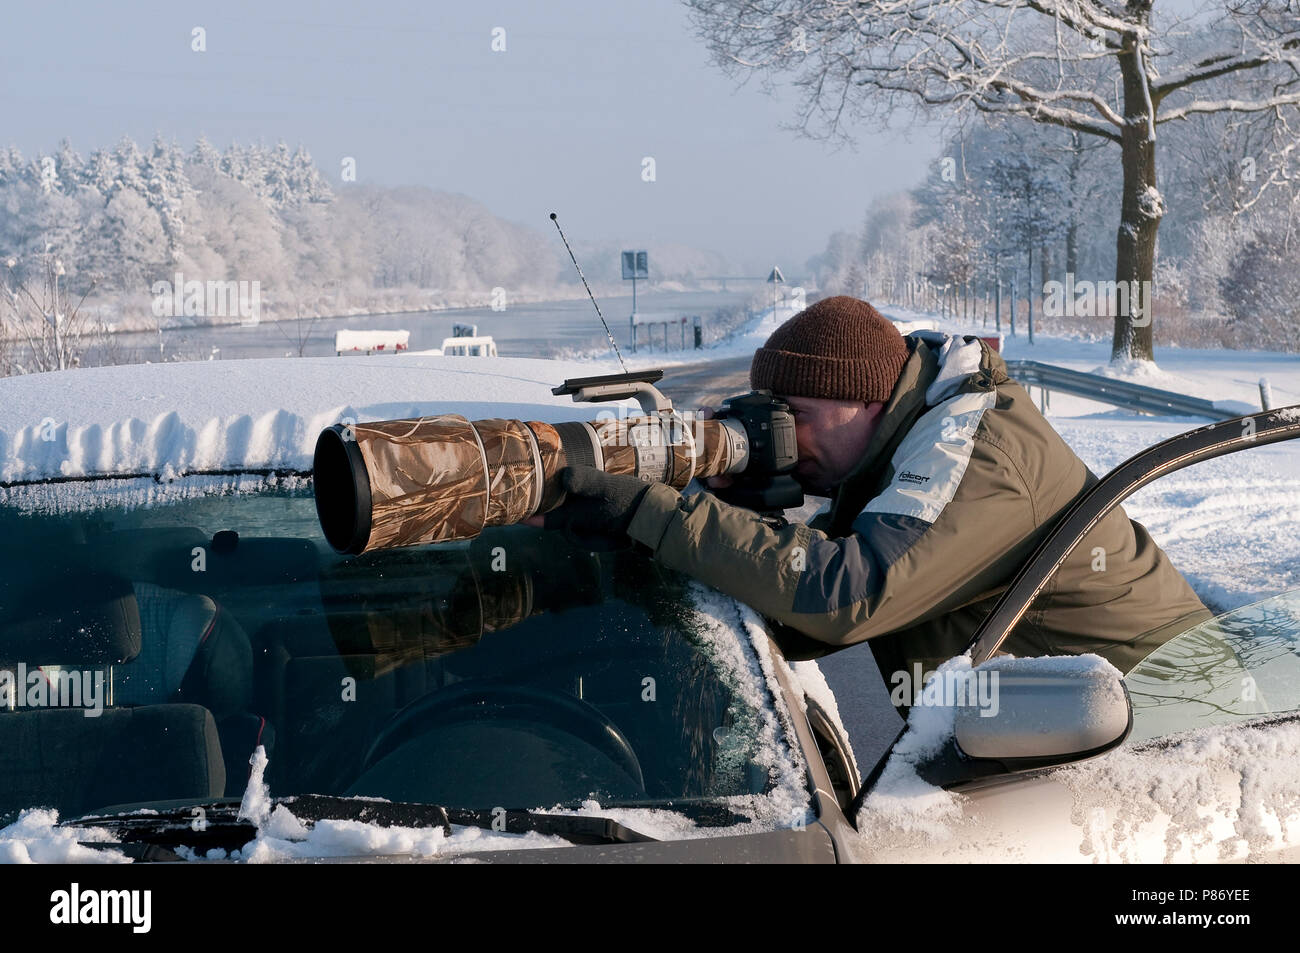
x=559, y=121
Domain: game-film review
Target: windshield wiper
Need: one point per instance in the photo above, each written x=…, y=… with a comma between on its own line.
x=217, y=825
x=579, y=828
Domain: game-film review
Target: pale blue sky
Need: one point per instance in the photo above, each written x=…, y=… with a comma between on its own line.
x=412, y=90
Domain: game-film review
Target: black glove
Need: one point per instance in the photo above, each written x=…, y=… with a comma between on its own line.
x=598, y=508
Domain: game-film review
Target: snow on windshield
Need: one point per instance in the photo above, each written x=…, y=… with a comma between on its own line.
x=809, y=677
x=282, y=836
x=748, y=668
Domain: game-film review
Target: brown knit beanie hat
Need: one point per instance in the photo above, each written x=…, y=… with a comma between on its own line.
x=838, y=349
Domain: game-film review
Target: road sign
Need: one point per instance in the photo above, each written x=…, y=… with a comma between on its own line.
x=776, y=277
x=636, y=264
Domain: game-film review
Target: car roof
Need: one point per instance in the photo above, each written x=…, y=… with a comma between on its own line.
x=255, y=413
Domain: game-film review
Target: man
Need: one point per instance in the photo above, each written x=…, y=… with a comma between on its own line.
x=943, y=477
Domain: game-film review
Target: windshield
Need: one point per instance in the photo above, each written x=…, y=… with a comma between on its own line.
x=514, y=671
x=1238, y=666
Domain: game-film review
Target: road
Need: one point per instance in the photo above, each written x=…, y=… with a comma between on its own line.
x=699, y=385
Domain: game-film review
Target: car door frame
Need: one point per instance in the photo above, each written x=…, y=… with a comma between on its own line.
x=1092, y=505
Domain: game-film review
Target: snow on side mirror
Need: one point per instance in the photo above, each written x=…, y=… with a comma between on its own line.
x=1034, y=713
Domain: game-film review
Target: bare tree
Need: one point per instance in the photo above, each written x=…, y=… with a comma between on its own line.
x=1103, y=68
x=43, y=316
x=301, y=336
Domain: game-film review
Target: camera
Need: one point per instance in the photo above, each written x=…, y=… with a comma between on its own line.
x=765, y=485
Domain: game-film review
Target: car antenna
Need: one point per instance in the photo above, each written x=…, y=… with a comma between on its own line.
x=612, y=342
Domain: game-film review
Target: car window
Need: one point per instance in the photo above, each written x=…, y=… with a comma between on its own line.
x=513, y=670
x=1237, y=666
x=1240, y=550
x=1226, y=525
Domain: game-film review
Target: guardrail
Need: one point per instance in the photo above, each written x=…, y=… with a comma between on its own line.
x=649, y=321
x=1107, y=390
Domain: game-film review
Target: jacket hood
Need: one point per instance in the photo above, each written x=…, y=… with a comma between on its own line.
x=959, y=357
x=938, y=367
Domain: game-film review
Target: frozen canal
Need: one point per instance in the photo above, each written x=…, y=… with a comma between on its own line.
x=525, y=330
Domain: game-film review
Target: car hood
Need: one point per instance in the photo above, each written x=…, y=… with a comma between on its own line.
x=251, y=414
x=810, y=845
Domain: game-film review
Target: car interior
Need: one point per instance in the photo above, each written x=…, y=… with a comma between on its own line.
x=416, y=675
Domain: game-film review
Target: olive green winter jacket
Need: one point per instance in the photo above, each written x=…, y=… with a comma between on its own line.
x=960, y=482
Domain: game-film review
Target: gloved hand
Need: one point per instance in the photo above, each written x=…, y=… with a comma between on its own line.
x=598, y=508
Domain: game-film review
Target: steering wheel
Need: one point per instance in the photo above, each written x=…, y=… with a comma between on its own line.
x=480, y=699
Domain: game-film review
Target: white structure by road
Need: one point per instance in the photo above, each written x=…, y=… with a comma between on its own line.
x=370, y=341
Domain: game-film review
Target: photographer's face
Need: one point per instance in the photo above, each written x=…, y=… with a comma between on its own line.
x=832, y=436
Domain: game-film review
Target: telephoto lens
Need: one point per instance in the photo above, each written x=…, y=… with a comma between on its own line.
x=433, y=479
x=444, y=477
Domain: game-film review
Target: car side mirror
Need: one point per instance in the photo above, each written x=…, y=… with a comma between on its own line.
x=1032, y=713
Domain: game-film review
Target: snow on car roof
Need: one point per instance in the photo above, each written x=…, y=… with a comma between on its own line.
x=257, y=413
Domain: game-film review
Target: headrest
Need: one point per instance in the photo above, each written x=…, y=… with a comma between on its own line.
x=91, y=618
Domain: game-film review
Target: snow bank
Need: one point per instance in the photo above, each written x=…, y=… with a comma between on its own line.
x=34, y=839
x=263, y=413
x=1146, y=373
x=336, y=838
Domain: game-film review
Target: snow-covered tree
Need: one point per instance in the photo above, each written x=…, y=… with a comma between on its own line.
x=1261, y=291
x=170, y=193
x=203, y=154
x=1108, y=70
x=11, y=165
x=832, y=267
x=69, y=169
x=127, y=217
x=102, y=173
x=130, y=167
x=891, y=249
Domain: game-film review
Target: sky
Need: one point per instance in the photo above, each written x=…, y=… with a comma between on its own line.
x=561, y=120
